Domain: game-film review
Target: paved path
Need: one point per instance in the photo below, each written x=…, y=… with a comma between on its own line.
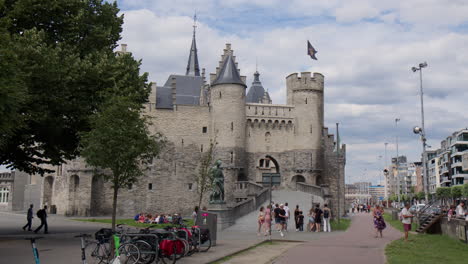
x=356, y=245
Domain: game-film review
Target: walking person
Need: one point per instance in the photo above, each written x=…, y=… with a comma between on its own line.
x=318, y=218
x=311, y=224
x=29, y=217
x=296, y=214
x=288, y=214
x=267, y=221
x=261, y=220
x=300, y=221
x=42, y=215
x=326, y=218
x=379, y=222
x=282, y=219
x=406, y=219
x=277, y=217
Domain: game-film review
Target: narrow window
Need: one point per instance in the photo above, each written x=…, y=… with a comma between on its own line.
x=232, y=157
x=311, y=129
x=306, y=101
x=261, y=163
x=190, y=186
x=204, y=130
x=130, y=186
x=201, y=148
x=182, y=142
x=232, y=126
x=150, y=186
x=219, y=95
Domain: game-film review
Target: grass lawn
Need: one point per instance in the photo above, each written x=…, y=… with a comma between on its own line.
x=131, y=222
x=424, y=248
x=397, y=223
x=342, y=226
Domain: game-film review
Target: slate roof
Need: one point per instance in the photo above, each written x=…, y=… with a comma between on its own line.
x=187, y=91
x=193, y=69
x=228, y=73
x=256, y=91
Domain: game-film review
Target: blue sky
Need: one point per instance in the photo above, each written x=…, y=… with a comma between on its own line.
x=365, y=50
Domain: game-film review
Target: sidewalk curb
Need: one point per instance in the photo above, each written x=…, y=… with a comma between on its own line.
x=253, y=246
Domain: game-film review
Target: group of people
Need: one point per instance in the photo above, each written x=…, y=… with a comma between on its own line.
x=41, y=214
x=156, y=219
x=360, y=208
x=281, y=214
x=458, y=212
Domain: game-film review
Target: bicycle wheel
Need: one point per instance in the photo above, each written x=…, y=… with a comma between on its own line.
x=147, y=252
x=169, y=259
x=129, y=253
x=205, y=246
x=97, y=253
x=181, y=248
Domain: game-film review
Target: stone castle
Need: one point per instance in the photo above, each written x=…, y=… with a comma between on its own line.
x=252, y=135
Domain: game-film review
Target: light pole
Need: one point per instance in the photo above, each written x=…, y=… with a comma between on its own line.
x=385, y=171
x=397, y=162
x=422, y=131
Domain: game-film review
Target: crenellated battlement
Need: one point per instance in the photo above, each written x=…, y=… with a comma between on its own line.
x=294, y=82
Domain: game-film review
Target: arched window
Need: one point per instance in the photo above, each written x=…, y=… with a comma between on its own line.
x=267, y=137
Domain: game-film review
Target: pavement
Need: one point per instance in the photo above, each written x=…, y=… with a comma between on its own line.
x=357, y=245
x=60, y=246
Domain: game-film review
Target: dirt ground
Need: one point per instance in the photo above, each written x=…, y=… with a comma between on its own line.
x=262, y=254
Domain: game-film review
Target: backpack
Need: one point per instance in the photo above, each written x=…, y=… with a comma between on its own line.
x=40, y=213
x=326, y=214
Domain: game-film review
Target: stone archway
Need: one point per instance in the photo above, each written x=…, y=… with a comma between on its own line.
x=297, y=178
x=48, y=191
x=97, y=196
x=73, y=194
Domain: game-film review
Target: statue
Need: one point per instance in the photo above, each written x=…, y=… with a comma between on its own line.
x=217, y=191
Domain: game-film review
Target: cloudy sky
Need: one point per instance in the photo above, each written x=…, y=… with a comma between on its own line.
x=365, y=49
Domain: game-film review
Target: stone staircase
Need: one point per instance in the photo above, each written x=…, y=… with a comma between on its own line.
x=304, y=200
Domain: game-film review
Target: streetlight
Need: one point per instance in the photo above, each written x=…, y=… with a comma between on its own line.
x=397, y=161
x=421, y=131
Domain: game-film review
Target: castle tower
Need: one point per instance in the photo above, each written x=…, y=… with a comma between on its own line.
x=306, y=94
x=228, y=111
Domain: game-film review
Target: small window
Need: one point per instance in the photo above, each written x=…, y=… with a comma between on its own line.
x=219, y=95
x=232, y=126
x=150, y=186
x=130, y=186
x=232, y=157
x=306, y=101
x=201, y=148
x=190, y=185
x=182, y=142
x=204, y=130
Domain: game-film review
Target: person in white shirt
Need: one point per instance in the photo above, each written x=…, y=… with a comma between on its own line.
x=461, y=210
x=406, y=219
x=288, y=213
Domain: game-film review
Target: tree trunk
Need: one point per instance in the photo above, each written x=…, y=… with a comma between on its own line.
x=114, y=206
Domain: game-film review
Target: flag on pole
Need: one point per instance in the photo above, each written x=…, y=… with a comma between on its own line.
x=311, y=51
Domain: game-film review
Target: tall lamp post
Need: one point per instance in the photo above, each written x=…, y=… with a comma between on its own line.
x=397, y=163
x=422, y=131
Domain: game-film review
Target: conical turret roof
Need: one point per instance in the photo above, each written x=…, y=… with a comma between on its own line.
x=228, y=74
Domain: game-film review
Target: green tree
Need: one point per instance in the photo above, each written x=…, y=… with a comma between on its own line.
x=120, y=142
x=420, y=195
x=60, y=67
x=465, y=190
x=456, y=191
x=204, y=177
